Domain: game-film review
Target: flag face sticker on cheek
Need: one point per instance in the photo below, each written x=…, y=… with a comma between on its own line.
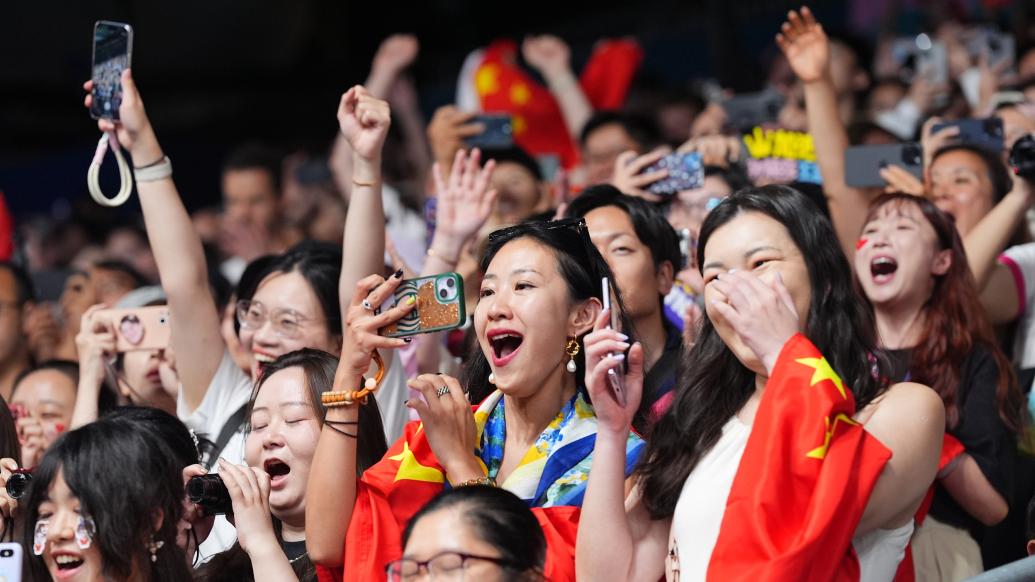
x=861, y=243
x=84, y=532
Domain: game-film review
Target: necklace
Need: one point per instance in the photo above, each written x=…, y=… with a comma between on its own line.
x=297, y=558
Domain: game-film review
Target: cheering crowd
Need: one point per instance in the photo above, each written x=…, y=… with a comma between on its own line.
x=779, y=372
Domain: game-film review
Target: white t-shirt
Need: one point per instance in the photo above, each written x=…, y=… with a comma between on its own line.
x=1021, y=262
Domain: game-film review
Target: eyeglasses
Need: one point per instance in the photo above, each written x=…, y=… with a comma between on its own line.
x=442, y=566
x=287, y=323
x=578, y=225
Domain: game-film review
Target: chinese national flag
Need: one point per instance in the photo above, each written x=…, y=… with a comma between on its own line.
x=392, y=491
x=539, y=128
x=806, y=474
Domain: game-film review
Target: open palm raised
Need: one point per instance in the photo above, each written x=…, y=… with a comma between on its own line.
x=805, y=45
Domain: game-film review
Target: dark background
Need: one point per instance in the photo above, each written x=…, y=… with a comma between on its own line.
x=216, y=73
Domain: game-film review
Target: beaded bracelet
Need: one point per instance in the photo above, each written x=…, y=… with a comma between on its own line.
x=336, y=398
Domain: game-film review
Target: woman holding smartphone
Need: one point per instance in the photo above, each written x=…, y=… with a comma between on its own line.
x=767, y=461
x=532, y=435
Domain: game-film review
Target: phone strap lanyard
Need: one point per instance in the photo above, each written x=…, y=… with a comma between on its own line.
x=125, y=178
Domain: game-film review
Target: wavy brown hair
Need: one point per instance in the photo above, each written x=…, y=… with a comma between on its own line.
x=954, y=323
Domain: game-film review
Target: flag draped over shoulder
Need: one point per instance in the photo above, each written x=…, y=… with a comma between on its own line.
x=392, y=491
x=806, y=474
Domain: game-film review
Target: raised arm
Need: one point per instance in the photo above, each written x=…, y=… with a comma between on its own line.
x=807, y=49
x=331, y=491
x=96, y=343
x=615, y=542
x=992, y=234
x=552, y=58
x=363, y=120
x=177, y=249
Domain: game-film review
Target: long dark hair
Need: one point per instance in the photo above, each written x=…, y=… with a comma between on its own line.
x=123, y=478
x=716, y=384
x=499, y=518
x=954, y=323
x=9, y=449
x=582, y=267
x=318, y=369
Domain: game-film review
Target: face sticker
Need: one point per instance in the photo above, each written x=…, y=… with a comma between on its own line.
x=84, y=532
x=861, y=243
x=39, y=538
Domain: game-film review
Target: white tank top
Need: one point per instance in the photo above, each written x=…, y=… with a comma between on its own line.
x=702, y=503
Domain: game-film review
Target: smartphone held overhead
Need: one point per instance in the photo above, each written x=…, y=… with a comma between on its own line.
x=439, y=306
x=112, y=51
x=864, y=163
x=140, y=328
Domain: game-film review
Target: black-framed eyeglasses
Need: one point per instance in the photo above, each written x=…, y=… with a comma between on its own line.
x=442, y=566
x=578, y=225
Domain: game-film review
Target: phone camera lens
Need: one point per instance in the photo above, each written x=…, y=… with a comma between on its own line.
x=6, y=553
x=450, y=283
x=443, y=293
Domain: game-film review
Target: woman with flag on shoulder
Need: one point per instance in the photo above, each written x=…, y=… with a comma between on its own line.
x=532, y=435
x=783, y=456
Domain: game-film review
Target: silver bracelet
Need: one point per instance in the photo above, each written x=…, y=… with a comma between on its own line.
x=157, y=171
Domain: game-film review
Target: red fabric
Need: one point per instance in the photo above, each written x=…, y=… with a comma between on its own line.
x=539, y=128
x=6, y=231
x=392, y=491
x=606, y=78
x=807, y=472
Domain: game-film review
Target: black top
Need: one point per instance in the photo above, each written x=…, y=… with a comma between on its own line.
x=660, y=379
x=980, y=429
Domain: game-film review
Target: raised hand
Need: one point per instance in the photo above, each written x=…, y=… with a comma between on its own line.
x=362, y=324
x=364, y=122
x=628, y=178
x=447, y=130
x=763, y=316
x=599, y=343
x=465, y=202
x=548, y=54
x=805, y=45
x=931, y=141
x=32, y=439
x=133, y=129
x=395, y=54
x=715, y=150
x=95, y=344
x=899, y=180
x=448, y=424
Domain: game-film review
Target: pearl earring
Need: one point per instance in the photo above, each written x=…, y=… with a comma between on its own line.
x=572, y=349
x=492, y=378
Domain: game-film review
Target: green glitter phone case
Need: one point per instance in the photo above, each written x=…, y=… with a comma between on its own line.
x=440, y=305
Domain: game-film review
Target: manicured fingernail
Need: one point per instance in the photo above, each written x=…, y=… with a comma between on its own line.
x=623, y=336
x=624, y=345
x=618, y=357
x=407, y=339
x=411, y=300
x=398, y=274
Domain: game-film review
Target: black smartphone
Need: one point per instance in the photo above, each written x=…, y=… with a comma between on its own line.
x=685, y=172
x=112, y=49
x=750, y=110
x=986, y=133
x=498, y=134
x=864, y=163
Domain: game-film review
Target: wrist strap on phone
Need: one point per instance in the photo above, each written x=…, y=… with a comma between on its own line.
x=125, y=178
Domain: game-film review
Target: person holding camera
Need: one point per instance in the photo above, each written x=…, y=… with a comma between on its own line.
x=266, y=497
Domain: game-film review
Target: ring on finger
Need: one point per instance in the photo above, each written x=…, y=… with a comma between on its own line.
x=366, y=305
x=442, y=391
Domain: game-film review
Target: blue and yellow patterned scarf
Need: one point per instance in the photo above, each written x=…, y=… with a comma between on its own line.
x=555, y=470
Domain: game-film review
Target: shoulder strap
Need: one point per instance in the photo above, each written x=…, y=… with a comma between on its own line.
x=230, y=428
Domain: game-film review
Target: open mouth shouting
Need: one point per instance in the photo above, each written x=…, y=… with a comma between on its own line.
x=278, y=471
x=68, y=565
x=882, y=269
x=262, y=359
x=505, y=344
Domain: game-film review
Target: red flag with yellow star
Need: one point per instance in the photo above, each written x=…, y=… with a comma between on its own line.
x=392, y=491
x=538, y=125
x=806, y=474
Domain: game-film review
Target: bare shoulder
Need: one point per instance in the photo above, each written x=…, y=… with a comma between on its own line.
x=906, y=412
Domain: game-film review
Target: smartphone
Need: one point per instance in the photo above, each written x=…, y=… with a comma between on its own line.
x=139, y=328
x=498, y=134
x=615, y=379
x=440, y=305
x=985, y=133
x=10, y=562
x=112, y=49
x=685, y=172
x=932, y=61
x=749, y=110
x=998, y=47
x=864, y=163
